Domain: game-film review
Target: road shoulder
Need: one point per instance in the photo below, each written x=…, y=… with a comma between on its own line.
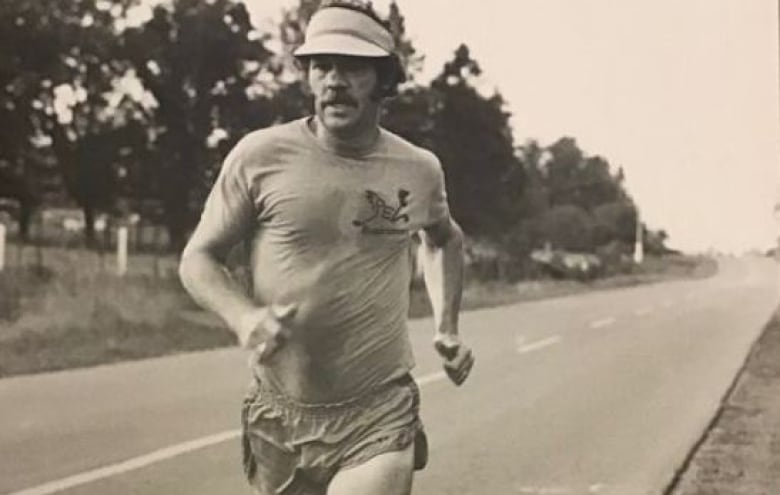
x=740, y=451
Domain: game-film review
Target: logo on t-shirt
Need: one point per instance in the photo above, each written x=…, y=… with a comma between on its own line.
x=384, y=214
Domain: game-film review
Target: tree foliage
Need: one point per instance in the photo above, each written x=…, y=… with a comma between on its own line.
x=148, y=111
x=199, y=61
x=59, y=65
x=473, y=139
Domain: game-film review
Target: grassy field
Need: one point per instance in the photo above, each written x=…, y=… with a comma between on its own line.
x=69, y=309
x=62, y=308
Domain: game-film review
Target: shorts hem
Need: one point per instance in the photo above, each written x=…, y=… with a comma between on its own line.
x=384, y=445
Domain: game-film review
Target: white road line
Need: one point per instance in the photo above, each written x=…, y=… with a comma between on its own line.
x=539, y=344
x=604, y=322
x=544, y=490
x=644, y=311
x=156, y=456
x=128, y=465
x=558, y=490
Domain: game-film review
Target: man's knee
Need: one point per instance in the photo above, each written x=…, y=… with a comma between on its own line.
x=397, y=462
x=389, y=473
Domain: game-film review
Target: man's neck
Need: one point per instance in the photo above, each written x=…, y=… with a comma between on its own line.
x=356, y=142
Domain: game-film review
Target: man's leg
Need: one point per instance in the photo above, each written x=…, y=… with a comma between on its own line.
x=386, y=474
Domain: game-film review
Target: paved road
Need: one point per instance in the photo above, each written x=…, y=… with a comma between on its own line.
x=601, y=393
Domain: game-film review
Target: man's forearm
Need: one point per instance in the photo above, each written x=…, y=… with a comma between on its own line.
x=442, y=264
x=211, y=286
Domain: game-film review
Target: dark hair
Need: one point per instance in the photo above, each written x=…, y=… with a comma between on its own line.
x=390, y=74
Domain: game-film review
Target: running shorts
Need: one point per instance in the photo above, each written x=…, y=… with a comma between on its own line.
x=293, y=448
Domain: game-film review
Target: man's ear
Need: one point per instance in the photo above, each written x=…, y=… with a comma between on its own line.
x=303, y=71
x=380, y=92
x=305, y=87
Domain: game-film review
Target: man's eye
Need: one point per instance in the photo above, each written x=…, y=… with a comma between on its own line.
x=320, y=67
x=352, y=66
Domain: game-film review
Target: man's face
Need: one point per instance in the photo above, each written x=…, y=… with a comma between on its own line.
x=344, y=91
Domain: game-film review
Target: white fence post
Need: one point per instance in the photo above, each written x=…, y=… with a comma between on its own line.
x=121, y=251
x=639, y=243
x=2, y=247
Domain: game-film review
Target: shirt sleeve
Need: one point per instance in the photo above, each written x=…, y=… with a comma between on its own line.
x=438, y=209
x=229, y=211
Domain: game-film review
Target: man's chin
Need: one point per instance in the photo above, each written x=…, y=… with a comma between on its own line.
x=339, y=125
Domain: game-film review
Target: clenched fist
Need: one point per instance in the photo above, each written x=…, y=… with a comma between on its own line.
x=268, y=331
x=458, y=358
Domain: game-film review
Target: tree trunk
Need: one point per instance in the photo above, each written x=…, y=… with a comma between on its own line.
x=89, y=225
x=176, y=221
x=25, y=217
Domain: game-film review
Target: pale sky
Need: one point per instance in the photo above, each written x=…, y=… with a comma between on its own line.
x=683, y=94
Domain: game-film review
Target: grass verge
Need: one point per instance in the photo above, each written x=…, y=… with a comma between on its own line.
x=61, y=321
x=488, y=294
x=65, y=315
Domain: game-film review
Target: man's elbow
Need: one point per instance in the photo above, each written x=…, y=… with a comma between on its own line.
x=186, y=268
x=191, y=264
x=444, y=235
x=457, y=237
x=454, y=239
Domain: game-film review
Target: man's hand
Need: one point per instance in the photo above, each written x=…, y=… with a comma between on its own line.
x=458, y=358
x=268, y=330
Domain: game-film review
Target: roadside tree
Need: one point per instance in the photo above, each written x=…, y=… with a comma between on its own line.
x=203, y=64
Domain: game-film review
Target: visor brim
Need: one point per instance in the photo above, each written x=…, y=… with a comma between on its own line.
x=339, y=44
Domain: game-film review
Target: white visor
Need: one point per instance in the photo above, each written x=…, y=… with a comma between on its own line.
x=341, y=31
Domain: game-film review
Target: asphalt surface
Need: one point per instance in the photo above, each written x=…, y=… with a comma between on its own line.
x=740, y=452
x=602, y=393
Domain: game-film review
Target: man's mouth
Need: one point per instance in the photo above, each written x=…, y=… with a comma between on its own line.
x=339, y=104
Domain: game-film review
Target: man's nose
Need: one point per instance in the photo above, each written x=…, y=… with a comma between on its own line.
x=335, y=77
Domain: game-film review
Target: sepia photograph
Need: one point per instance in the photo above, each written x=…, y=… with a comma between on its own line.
x=389, y=247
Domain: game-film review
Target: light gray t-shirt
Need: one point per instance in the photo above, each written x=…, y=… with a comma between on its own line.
x=330, y=233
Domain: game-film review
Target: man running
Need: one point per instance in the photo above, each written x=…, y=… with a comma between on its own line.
x=328, y=205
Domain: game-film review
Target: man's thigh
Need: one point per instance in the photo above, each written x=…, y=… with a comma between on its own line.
x=385, y=474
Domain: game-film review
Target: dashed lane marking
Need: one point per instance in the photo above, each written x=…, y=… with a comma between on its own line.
x=156, y=456
x=604, y=322
x=644, y=311
x=539, y=344
x=544, y=490
x=593, y=489
x=433, y=377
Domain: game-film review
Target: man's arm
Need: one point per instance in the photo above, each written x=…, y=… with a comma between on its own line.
x=442, y=262
x=204, y=275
